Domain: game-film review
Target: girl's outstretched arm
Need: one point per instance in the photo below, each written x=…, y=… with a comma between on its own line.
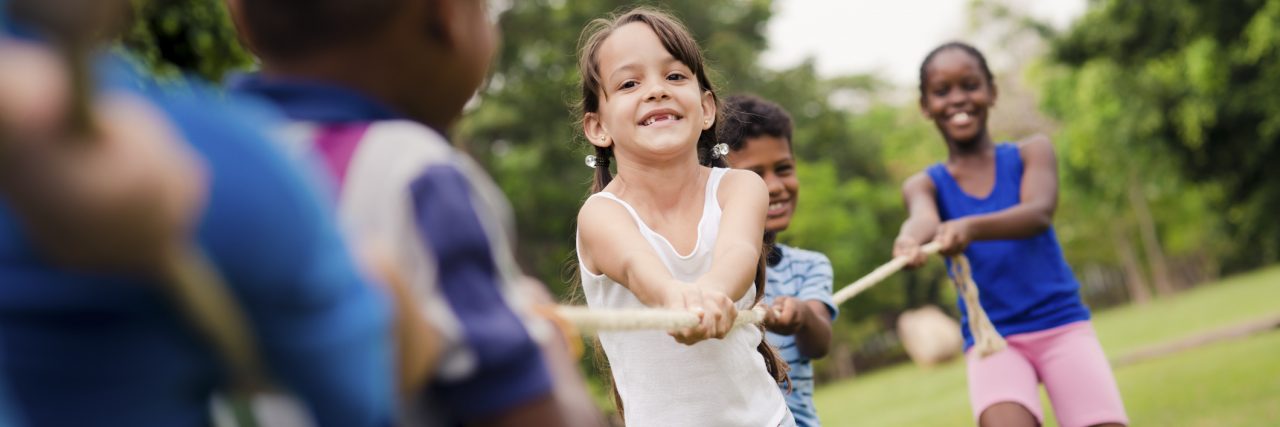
x=613, y=249
x=922, y=221
x=744, y=203
x=744, y=199
x=620, y=252
x=1031, y=216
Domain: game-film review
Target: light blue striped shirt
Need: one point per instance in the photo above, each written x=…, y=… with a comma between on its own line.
x=804, y=275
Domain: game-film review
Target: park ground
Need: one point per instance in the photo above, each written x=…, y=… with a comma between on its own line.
x=1202, y=382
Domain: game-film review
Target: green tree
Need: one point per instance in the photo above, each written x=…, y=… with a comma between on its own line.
x=1185, y=80
x=195, y=37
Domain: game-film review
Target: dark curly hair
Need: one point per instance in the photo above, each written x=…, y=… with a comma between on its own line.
x=293, y=28
x=749, y=116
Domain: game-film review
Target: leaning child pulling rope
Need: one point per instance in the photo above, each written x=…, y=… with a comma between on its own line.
x=995, y=204
x=673, y=229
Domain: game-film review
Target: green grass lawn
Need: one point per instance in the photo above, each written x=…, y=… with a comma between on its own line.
x=1234, y=383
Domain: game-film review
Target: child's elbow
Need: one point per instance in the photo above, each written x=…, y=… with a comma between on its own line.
x=1041, y=223
x=816, y=343
x=818, y=350
x=1039, y=217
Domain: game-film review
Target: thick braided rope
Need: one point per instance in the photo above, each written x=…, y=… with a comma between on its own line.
x=878, y=275
x=588, y=321
x=986, y=339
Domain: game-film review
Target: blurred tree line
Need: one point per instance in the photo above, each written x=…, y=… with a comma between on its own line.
x=1163, y=114
x=1168, y=104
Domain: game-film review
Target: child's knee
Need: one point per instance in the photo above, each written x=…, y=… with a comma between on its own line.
x=1007, y=414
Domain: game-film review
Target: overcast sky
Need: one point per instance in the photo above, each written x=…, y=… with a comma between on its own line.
x=886, y=36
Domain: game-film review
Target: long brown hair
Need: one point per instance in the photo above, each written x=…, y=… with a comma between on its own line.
x=680, y=44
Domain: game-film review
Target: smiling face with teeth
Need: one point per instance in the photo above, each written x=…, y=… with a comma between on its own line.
x=956, y=95
x=770, y=157
x=651, y=104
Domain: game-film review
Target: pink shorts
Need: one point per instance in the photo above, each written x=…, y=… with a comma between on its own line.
x=1069, y=361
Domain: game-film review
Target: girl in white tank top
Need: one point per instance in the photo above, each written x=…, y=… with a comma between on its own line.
x=714, y=382
x=671, y=232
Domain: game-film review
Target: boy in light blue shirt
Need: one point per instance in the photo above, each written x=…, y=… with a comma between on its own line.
x=798, y=288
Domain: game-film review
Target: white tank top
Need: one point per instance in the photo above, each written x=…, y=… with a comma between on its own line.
x=665, y=383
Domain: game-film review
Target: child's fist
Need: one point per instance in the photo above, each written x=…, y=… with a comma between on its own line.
x=714, y=309
x=785, y=316
x=953, y=237
x=906, y=246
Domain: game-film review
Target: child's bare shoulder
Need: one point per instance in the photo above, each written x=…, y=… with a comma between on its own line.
x=600, y=214
x=1037, y=141
x=739, y=184
x=737, y=180
x=920, y=182
x=1037, y=146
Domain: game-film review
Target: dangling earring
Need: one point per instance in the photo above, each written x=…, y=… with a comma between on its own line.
x=720, y=150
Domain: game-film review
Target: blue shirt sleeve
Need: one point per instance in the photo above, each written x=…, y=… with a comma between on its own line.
x=510, y=368
x=816, y=285
x=322, y=329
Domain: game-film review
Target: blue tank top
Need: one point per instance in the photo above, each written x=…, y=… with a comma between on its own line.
x=1025, y=285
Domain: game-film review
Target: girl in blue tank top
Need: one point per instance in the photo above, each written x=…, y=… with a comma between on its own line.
x=995, y=204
